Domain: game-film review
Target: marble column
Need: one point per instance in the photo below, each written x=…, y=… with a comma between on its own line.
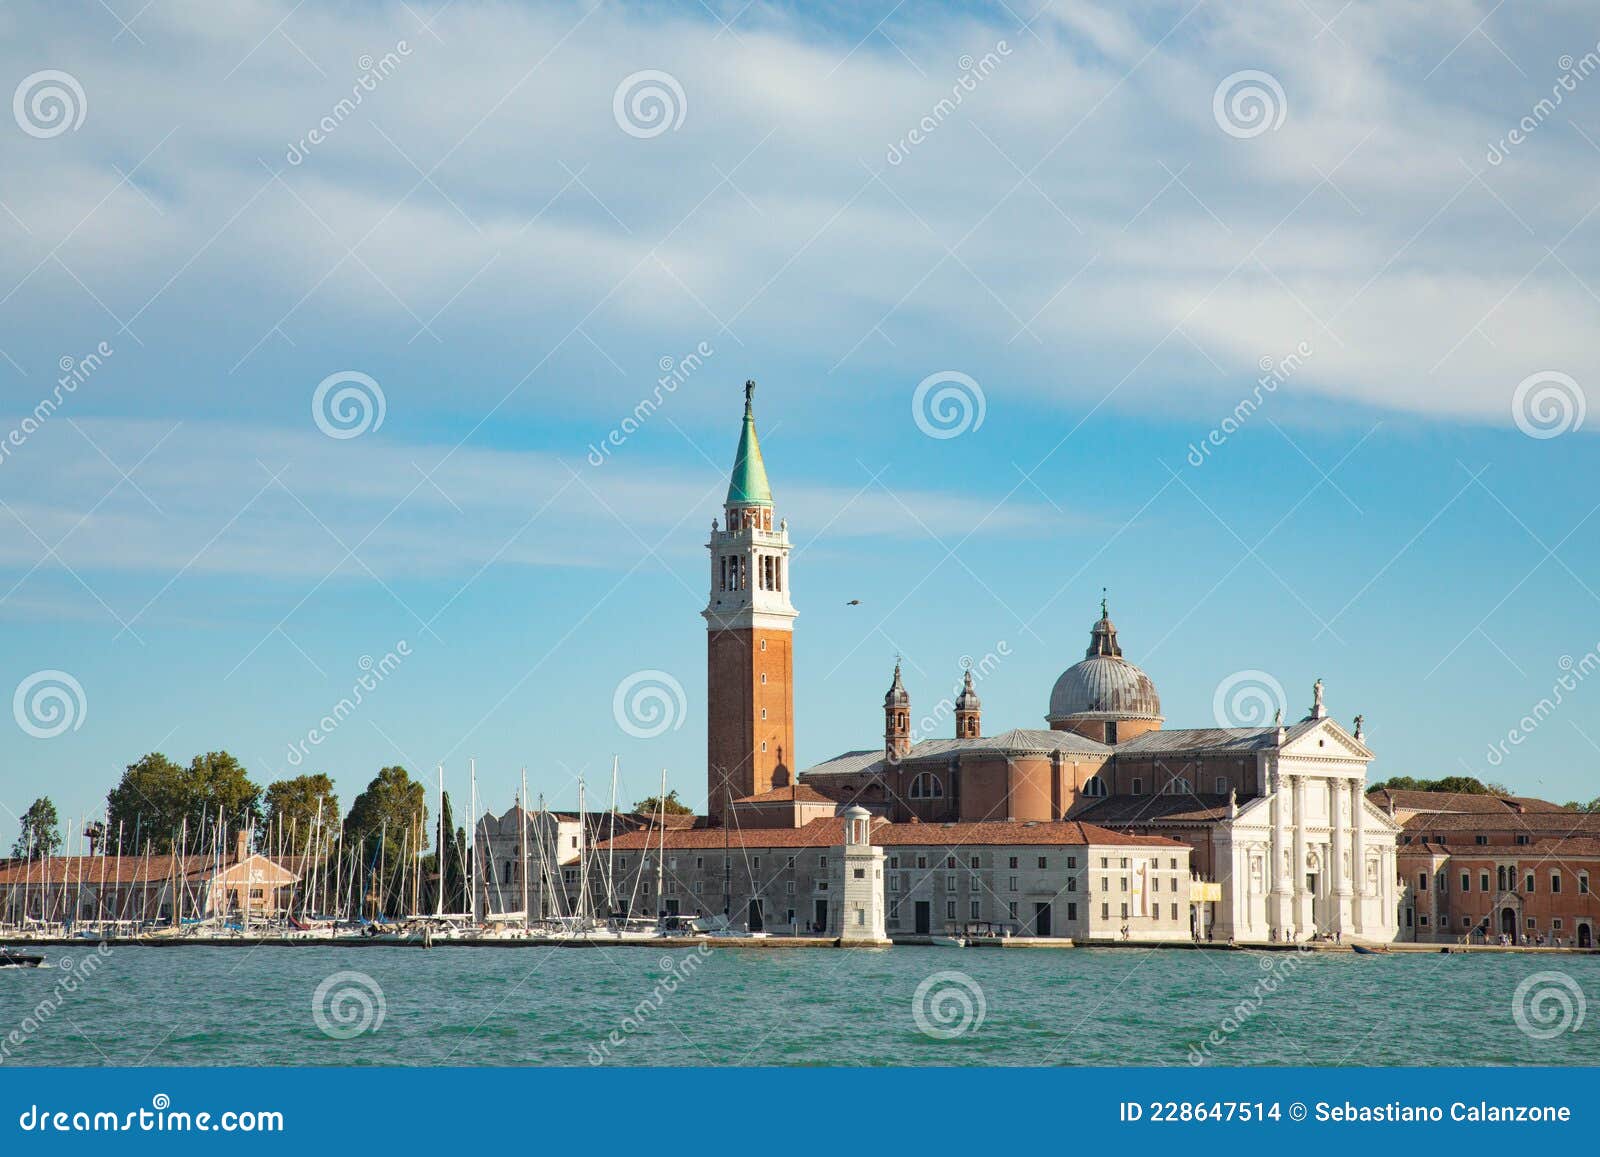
x=1303, y=919
x=1281, y=881
x=1339, y=854
x=1358, y=856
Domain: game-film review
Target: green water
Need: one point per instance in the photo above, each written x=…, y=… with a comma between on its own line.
x=453, y=1006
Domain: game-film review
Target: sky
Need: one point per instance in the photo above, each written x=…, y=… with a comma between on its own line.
x=401, y=346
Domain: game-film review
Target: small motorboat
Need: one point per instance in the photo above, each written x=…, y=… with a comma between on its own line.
x=11, y=958
x=1363, y=950
x=948, y=941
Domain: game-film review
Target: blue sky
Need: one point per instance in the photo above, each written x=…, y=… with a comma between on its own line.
x=1095, y=235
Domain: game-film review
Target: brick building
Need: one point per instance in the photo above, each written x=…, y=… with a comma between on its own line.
x=1492, y=869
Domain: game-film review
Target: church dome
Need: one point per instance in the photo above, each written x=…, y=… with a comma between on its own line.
x=1104, y=685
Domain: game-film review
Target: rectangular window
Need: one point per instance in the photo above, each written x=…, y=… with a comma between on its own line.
x=1555, y=881
x=1483, y=881
x=1105, y=883
x=1043, y=863
x=699, y=887
x=860, y=873
x=1012, y=864
x=1072, y=861
x=1104, y=863
x=894, y=861
x=1529, y=888
x=1423, y=920
x=1583, y=883
x=1105, y=911
x=950, y=909
x=1556, y=923
x=894, y=883
x=976, y=913
x=949, y=861
x=1422, y=881
x=1122, y=883
x=1072, y=911
x=789, y=887
x=1466, y=881
x=1072, y=883
x=1011, y=883
x=1174, y=913
x=1011, y=909
x=791, y=863
x=822, y=862
x=1138, y=786
x=1124, y=911
x=950, y=882
x=973, y=863
x=922, y=861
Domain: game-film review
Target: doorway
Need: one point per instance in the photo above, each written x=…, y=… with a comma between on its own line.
x=924, y=917
x=1508, y=923
x=1041, y=919
x=819, y=909
x=1585, y=937
x=756, y=923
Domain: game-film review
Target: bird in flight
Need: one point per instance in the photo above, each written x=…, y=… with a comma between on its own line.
x=853, y=603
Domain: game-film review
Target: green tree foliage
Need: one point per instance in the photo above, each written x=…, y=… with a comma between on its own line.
x=651, y=805
x=40, y=830
x=291, y=814
x=1451, y=784
x=156, y=798
x=393, y=801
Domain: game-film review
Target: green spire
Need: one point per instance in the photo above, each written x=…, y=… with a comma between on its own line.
x=749, y=487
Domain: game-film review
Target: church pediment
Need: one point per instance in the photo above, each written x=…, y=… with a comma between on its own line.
x=1327, y=740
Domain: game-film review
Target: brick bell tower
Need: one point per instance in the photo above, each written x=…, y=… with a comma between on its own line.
x=749, y=637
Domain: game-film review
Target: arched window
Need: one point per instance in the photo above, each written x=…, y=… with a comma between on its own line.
x=926, y=785
x=1094, y=786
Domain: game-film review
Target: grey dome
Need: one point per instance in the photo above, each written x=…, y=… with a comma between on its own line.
x=1104, y=685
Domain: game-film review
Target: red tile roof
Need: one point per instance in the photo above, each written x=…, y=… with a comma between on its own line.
x=797, y=793
x=829, y=832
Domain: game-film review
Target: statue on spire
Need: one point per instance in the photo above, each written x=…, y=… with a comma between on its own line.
x=1318, y=711
x=749, y=391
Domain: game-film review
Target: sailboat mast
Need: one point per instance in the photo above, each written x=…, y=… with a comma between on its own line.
x=522, y=825
x=438, y=907
x=611, y=839
x=661, y=858
x=472, y=838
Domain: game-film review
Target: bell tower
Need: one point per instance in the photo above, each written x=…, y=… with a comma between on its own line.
x=749, y=637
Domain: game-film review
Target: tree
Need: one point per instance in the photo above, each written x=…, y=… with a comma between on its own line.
x=217, y=785
x=651, y=805
x=40, y=831
x=1450, y=784
x=292, y=808
x=149, y=803
x=392, y=801
x=156, y=797
x=455, y=860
